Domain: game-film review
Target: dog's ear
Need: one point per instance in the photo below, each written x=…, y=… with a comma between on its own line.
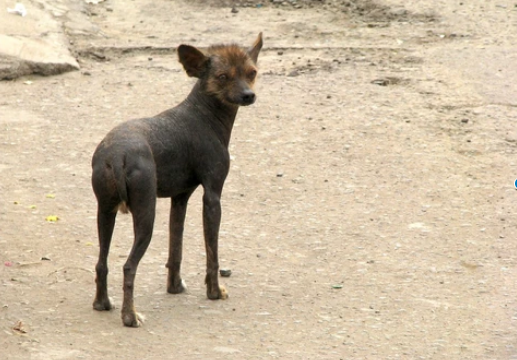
x=194, y=61
x=254, y=50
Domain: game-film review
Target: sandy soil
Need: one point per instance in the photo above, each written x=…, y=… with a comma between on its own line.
x=367, y=214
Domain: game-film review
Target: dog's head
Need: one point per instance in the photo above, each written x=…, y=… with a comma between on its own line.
x=227, y=72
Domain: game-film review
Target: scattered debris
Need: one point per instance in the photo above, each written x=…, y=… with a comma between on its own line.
x=52, y=218
x=18, y=328
x=381, y=82
x=19, y=9
x=390, y=80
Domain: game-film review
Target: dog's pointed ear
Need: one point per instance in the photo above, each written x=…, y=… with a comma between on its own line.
x=194, y=61
x=254, y=50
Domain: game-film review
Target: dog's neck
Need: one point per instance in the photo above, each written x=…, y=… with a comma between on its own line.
x=220, y=116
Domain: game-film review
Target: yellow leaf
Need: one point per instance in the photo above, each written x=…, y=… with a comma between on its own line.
x=50, y=196
x=52, y=218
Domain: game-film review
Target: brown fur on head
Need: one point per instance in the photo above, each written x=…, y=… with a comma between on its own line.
x=226, y=71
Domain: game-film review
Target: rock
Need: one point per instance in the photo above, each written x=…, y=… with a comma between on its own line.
x=38, y=43
x=20, y=56
x=225, y=272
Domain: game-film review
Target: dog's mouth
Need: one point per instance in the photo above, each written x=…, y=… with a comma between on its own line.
x=244, y=99
x=247, y=103
x=241, y=102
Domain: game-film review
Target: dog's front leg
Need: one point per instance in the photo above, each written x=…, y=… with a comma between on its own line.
x=211, y=223
x=175, y=284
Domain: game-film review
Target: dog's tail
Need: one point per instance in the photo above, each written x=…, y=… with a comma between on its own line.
x=119, y=174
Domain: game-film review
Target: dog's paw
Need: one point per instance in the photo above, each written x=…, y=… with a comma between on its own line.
x=224, y=293
x=133, y=319
x=178, y=289
x=103, y=304
x=221, y=294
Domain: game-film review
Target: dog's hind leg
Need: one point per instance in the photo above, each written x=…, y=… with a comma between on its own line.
x=105, y=225
x=141, y=184
x=175, y=284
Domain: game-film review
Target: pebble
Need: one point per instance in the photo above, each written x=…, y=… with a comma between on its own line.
x=381, y=82
x=225, y=272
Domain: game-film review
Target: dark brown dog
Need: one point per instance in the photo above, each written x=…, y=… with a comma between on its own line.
x=170, y=155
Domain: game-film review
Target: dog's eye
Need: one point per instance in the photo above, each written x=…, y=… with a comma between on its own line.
x=252, y=74
x=222, y=77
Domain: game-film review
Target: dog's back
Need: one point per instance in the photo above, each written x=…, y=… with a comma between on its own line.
x=182, y=142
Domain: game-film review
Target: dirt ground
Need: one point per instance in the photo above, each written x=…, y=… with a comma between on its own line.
x=367, y=214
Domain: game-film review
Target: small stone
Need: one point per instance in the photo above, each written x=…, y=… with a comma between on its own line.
x=464, y=121
x=234, y=10
x=225, y=272
x=381, y=82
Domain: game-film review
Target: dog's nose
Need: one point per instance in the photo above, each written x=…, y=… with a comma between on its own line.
x=248, y=97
